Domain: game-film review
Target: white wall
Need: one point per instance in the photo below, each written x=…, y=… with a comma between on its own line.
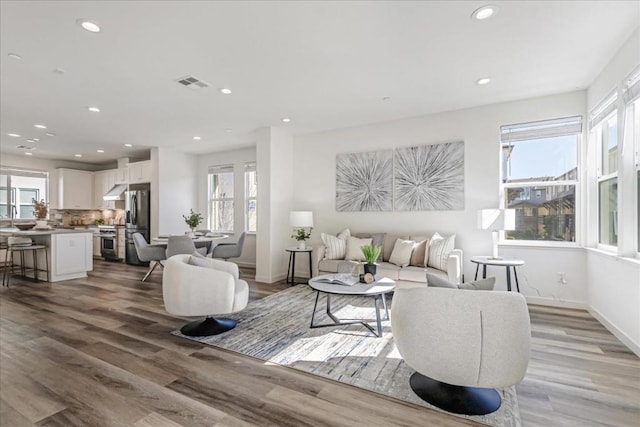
x=237, y=158
x=614, y=283
x=314, y=186
x=176, y=190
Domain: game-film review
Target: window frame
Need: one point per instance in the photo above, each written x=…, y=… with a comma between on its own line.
x=216, y=170
x=576, y=183
x=12, y=198
x=250, y=167
x=596, y=133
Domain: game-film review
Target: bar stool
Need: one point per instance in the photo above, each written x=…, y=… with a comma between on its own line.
x=22, y=245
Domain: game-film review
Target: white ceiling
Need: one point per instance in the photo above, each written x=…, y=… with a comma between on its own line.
x=325, y=65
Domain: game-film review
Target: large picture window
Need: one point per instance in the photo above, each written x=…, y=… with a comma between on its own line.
x=24, y=185
x=605, y=135
x=540, y=177
x=221, y=206
x=251, y=197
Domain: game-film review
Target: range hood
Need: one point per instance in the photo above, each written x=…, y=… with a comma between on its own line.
x=116, y=192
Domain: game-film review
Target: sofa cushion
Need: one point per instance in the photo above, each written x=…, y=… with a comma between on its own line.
x=388, y=244
x=401, y=253
x=336, y=245
x=389, y=270
x=354, y=248
x=337, y=266
x=420, y=252
x=413, y=274
x=439, y=249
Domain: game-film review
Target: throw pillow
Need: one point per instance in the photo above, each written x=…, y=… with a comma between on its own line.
x=419, y=254
x=439, y=250
x=197, y=254
x=199, y=261
x=477, y=285
x=401, y=253
x=336, y=246
x=354, y=245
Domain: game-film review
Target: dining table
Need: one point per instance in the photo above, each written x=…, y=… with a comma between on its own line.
x=209, y=240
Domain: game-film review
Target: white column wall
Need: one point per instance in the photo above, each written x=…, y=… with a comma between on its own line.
x=176, y=191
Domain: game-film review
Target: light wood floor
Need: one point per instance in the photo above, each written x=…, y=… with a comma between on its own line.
x=98, y=351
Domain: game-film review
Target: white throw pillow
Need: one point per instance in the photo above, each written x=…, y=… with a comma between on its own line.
x=354, y=248
x=401, y=253
x=439, y=250
x=336, y=246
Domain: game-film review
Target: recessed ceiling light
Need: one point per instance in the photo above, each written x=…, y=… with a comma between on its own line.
x=35, y=139
x=77, y=155
x=14, y=56
x=484, y=12
x=31, y=140
x=286, y=120
x=28, y=153
x=100, y=151
x=40, y=126
x=225, y=91
x=228, y=130
x=197, y=138
x=89, y=26
x=128, y=145
x=483, y=81
x=15, y=135
x=50, y=134
x=93, y=109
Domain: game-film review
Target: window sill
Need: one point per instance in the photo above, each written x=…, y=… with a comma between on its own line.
x=614, y=256
x=539, y=244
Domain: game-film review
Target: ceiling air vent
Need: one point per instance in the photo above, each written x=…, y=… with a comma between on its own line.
x=24, y=147
x=193, y=82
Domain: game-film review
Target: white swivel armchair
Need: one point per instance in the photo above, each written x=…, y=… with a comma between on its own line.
x=211, y=287
x=462, y=344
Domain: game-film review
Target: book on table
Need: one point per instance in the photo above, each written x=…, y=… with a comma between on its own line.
x=339, y=279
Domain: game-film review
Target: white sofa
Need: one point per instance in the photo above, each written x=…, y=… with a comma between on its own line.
x=410, y=275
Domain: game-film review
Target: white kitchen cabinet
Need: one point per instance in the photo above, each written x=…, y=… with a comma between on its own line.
x=96, y=246
x=75, y=189
x=140, y=172
x=122, y=246
x=71, y=254
x=122, y=176
x=103, y=181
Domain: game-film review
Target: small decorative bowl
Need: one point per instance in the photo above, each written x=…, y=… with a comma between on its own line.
x=24, y=227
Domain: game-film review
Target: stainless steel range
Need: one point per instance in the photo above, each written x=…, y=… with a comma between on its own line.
x=109, y=242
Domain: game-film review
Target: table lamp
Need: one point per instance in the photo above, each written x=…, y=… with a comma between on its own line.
x=496, y=220
x=300, y=220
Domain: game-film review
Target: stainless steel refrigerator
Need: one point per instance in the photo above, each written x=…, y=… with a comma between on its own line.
x=138, y=220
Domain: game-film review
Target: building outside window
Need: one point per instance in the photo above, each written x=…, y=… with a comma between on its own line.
x=221, y=206
x=540, y=176
x=25, y=186
x=251, y=197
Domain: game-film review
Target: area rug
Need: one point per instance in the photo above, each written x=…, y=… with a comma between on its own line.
x=276, y=329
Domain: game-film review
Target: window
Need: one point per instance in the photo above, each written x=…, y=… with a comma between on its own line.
x=221, y=198
x=25, y=186
x=540, y=177
x=251, y=197
x=604, y=133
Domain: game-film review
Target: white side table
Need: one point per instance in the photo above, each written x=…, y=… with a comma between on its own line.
x=507, y=262
x=291, y=270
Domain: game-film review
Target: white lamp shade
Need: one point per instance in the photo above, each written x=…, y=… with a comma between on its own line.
x=301, y=219
x=497, y=219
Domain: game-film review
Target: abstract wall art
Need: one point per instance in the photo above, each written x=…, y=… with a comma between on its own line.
x=364, y=181
x=429, y=177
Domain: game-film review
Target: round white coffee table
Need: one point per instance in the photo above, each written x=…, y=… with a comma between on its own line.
x=377, y=290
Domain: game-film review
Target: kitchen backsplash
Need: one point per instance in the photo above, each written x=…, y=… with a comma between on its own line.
x=87, y=217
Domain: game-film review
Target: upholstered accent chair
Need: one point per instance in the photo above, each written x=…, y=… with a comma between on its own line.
x=193, y=286
x=462, y=344
x=153, y=254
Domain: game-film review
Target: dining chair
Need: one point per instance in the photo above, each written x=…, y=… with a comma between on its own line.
x=182, y=245
x=153, y=254
x=229, y=250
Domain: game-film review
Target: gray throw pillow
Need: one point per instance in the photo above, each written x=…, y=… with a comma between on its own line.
x=199, y=261
x=477, y=285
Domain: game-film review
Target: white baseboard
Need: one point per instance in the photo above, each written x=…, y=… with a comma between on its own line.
x=551, y=302
x=246, y=264
x=626, y=340
x=276, y=278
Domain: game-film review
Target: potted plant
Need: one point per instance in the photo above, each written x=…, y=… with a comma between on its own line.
x=193, y=220
x=371, y=254
x=301, y=235
x=40, y=211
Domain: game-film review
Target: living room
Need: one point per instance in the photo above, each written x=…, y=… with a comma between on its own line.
x=296, y=164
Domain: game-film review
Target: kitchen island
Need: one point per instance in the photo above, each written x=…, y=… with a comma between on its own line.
x=70, y=252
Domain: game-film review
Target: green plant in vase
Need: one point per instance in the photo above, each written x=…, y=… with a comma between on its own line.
x=371, y=254
x=301, y=235
x=193, y=220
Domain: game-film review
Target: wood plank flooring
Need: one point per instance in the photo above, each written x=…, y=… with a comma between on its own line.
x=98, y=352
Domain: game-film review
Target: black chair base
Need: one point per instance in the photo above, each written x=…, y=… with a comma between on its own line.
x=455, y=399
x=208, y=326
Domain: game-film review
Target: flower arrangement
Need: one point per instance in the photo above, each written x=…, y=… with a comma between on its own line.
x=301, y=234
x=40, y=208
x=194, y=219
